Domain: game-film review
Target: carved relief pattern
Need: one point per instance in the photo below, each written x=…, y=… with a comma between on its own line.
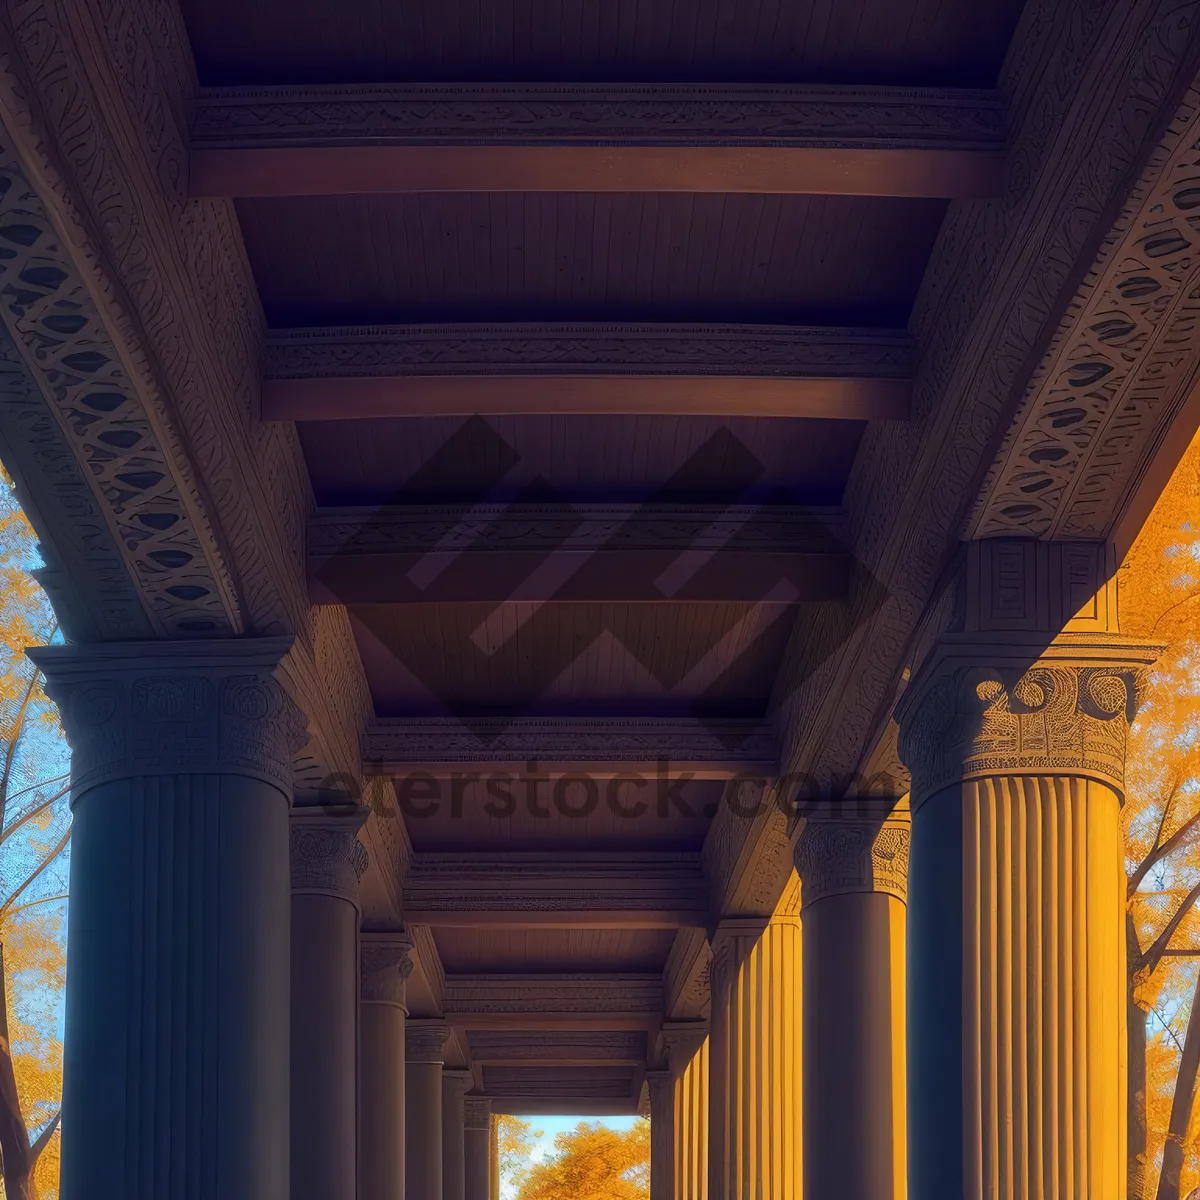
x=1121, y=364
x=385, y=963
x=496, y=994
x=446, y=740
x=327, y=857
x=593, y=349
x=65, y=346
x=148, y=715
x=1053, y=718
x=662, y=114
x=838, y=858
x=489, y=1045
x=425, y=1041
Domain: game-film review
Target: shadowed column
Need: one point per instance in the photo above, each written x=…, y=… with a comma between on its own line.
x=662, y=1135
x=327, y=863
x=175, y=1076
x=477, y=1126
x=454, y=1171
x=424, y=1052
x=385, y=964
x=853, y=873
x=754, y=1067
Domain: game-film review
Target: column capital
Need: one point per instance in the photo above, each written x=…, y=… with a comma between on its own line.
x=327, y=857
x=477, y=1112
x=211, y=707
x=425, y=1041
x=385, y=959
x=457, y=1082
x=731, y=940
x=839, y=857
x=682, y=1040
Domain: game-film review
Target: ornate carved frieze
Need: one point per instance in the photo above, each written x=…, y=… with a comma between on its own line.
x=1002, y=708
x=385, y=963
x=1120, y=366
x=425, y=1041
x=834, y=858
x=649, y=114
x=557, y=1045
x=578, y=993
x=560, y=1083
x=596, y=348
x=721, y=745
x=160, y=527
x=161, y=708
x=327, y=857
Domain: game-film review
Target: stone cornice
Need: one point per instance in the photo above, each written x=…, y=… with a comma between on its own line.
x=568, y=1047
x=327, y=857
x=159, y=708
x=633, y=888
x=430, y=961
x=645, y=114
x=595, y=348
x=686, y=976
x=385, y=963
x=718, y=747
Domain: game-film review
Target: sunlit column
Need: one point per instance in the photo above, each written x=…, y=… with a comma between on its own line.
x=454, y=1171
x=1014, y=729
x=853, y=870
x=175, y=1076
x=687, y=1050
x=327, y=862
x=424, y=1049
x=386, y=963
x=477, y=1127
x=754, y=1127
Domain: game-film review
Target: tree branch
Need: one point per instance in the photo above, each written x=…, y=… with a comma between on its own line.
x=1151, y=958
x=66, y=837
x=43, y=1138
x=28, y=816
x=1162, y=850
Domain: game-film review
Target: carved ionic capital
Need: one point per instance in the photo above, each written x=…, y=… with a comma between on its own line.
x=385, y=961
x=477, y=1113
x=425, y=1041
x=327, y=857
x=168, y=708
x=835, y=858
x=979, y=708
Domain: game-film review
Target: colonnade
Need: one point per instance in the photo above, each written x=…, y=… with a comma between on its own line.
x=936, y=1011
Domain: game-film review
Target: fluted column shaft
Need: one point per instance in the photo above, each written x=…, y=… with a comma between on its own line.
x=853, y=872
x=1016, y=744
x=327, y=863
x=386, y=963
x=477, y=1132
x=687, y=1049
x=175, y=1080
x=424, y=1048
x=454, y=1166
x=754, y=1126
x=493, y=1160
x=662, y=1135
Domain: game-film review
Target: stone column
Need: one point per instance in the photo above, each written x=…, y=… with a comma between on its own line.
x=662, y=1135
x=686, y=1045
x=175, y=1076
x=853, y=871
x=1014, y=729
x=493, y=1160
x=424, y=1052
x=386, y=964
x=477, y=1125
x=754, y=1068
x=454, y=1169
x=327, y=862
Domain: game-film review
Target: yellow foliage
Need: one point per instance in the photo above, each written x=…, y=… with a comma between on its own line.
x=594, y=1162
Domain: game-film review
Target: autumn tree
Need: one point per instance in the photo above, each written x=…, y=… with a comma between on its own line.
x=593, y=1162
x=514, y=1147
x=34, y=830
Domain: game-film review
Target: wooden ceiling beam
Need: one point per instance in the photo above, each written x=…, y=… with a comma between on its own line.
x=769, y=138
x=362, y=372
x=619, y=891
x=446, y=748
x=572, y=554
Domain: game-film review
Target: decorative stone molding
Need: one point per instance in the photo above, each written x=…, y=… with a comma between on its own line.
x=494, y=995
x=477, y=1113
x=525, y=349
x=731, y=941
x=984, y=707
x=385, y=963
x=834, y=858
x=327, y=857
x=562, y=1045
x=648, y=114
x=425, y=1041
x=166, y=708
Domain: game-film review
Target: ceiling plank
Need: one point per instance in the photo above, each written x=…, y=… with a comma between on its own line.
x=772, y=555
x=421, y=749
x=626, y=891
x=771, y=138
x=356, y=372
